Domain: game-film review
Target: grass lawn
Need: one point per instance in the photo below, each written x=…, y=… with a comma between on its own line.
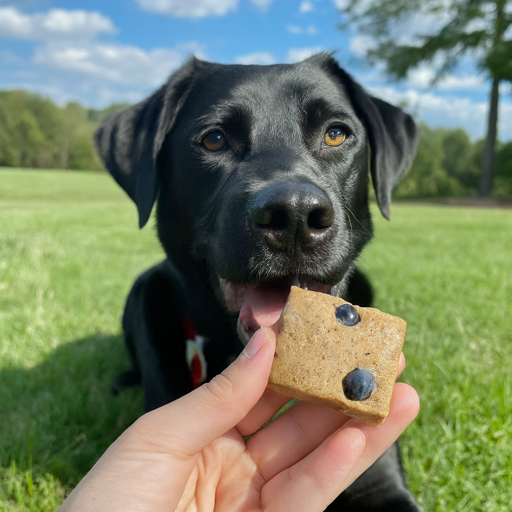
x=70, y=250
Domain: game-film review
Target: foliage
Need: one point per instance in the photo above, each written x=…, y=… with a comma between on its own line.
x=447, y=165
x=34, y=132
x=97, y=116
x=503, y=179
x=449, y=30
x=69, y=250
x=408, y=33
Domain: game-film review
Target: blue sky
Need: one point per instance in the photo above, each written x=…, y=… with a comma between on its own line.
x=99, y=52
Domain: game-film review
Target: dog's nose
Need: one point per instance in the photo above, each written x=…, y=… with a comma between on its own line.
x=290, y=213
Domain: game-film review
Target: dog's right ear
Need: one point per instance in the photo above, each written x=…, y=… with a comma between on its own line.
x=129, y=141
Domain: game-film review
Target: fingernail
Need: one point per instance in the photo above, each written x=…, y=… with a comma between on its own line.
x=257, y=341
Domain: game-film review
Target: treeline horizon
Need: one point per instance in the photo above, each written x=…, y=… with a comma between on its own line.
x=36, y=133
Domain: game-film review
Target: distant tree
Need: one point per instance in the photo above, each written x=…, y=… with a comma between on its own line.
x=97, y=116
x=477, y=27
x=77, y=145
x=34, y=132
x=29, y=130
x=459, y=158
x=503, y=185
x=428, y=177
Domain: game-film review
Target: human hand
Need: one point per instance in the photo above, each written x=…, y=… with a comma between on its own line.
x=191, y=455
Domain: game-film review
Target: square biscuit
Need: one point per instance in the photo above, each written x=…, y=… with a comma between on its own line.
x=315, y=352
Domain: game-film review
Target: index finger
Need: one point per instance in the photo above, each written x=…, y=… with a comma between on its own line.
x=270, y=404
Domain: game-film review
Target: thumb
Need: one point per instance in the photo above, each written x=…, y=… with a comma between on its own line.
x=192, y=422
x=148, y=467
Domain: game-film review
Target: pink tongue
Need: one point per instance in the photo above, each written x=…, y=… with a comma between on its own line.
x=262, y=307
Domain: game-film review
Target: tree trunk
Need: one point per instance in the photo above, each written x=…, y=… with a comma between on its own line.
x=487, y=172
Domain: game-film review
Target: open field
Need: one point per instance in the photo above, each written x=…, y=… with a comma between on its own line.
x=70, y=250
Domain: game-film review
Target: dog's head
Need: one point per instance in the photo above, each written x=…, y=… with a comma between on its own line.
x=261, y=172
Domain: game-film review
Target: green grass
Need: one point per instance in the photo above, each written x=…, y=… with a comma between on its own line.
x=69, y=252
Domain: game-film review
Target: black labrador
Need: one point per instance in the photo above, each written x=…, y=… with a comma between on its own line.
x=260, y=175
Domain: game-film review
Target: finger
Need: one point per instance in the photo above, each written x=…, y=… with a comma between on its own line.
x=401, y=365
x=268, y=405
x=271, y=402
x=189, y=424
x=324, y=470
x=405, y=406
x=296, y=433
x=312, y=486
x=167, y=440
x=292, y=436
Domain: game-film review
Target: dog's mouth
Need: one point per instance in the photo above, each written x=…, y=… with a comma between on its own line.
x=260, y=303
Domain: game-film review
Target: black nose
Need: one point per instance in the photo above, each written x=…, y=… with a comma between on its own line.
x=291, y=213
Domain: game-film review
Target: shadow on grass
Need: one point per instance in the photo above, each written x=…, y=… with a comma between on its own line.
x=58, y=417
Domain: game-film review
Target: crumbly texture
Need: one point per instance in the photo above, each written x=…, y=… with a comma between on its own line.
x=314, y=352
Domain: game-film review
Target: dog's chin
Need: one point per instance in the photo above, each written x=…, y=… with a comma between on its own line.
x=260, y=303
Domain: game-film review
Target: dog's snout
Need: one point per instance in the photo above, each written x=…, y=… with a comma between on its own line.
x=287, y=213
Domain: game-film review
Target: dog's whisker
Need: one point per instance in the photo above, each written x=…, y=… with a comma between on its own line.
x=364, y=228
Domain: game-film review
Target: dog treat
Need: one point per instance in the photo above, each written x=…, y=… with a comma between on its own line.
x=332, y=353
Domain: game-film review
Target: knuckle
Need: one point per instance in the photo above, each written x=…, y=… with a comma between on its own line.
x=221, y=389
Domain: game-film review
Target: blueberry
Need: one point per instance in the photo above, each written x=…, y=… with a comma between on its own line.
x=347, y=315
x=359, y=384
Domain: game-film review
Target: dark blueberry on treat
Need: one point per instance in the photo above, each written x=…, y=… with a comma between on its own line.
x=359, y=384
x=347, y=315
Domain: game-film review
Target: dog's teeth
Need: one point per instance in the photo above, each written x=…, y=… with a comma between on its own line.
x=295, y=281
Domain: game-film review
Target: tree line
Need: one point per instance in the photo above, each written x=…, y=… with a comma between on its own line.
x=36, y=133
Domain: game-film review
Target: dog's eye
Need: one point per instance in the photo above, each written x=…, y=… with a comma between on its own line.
x=334, y=136
x=214, y=141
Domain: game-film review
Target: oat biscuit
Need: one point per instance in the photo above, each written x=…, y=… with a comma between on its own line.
x=336, y=354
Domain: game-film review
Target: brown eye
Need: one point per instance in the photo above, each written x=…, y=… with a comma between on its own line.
x=334, y=136
x=214, y=141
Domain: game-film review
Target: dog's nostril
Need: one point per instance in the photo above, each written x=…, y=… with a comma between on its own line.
x=270, y=218
x=321, y=218
x=289, y=214
x=261, y=216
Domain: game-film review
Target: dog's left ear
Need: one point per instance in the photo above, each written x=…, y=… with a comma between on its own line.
x=129, y=141
x=392, y=134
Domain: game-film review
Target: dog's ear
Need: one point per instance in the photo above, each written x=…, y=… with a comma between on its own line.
x=392, y=134
x=129, y=141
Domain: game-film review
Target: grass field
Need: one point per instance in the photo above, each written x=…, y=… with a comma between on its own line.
x=70, y=250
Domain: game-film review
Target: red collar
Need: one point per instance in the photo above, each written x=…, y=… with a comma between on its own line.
x=195, y=353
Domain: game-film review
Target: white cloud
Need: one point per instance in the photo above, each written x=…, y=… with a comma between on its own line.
x=294, y=29
x=114, y=63
x=359, y=45
x=508, y=33
x=55, y=25
x=310, y=30
x=193, y=8
x=262, y=58
x=454, y=111
x=423, y=76
x=306, y=6
x=420, y=77
x=72, y=64
x=262, y=4
x=465, y=82
x=298, y=54
x=341, y=4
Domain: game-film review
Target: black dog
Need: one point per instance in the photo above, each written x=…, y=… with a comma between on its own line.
x=261, y=177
